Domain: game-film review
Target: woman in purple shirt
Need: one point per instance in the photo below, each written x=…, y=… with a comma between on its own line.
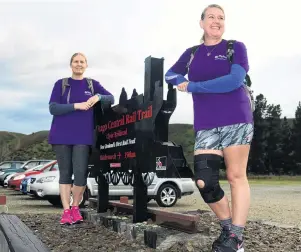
x=71, y=134
x=223, y=123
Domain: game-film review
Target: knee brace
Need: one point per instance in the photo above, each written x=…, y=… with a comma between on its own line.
x=206, y=168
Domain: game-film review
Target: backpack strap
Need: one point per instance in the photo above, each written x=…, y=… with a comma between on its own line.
x=247, y=80
x=90, y=85
x=230, y=50
x=193, y=50
x=64, y=86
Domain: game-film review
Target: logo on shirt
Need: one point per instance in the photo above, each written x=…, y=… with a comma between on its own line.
x=220, y=57
x=88, y=93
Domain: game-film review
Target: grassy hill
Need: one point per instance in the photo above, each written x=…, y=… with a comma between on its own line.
x=8, y=141
x=16, y=146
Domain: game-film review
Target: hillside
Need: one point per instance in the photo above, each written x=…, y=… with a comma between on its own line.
x=16, y=146
x=8, y=141
x=22, y=147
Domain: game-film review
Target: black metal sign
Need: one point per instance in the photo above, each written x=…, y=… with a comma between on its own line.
x=132, y=141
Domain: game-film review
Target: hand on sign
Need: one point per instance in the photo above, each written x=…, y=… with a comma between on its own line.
x=92, y=100
x=183, y=86
x=81, y=106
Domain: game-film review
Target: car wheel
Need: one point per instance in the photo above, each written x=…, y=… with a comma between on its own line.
x=167, y=195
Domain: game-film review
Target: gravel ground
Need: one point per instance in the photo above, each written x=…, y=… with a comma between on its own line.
x=278, y=205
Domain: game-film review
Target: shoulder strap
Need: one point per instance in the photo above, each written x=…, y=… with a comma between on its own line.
x=90, y=85
x=193, y=50
x=64, y=85
x=230, y=49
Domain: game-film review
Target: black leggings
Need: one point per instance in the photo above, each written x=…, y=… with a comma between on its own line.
x=72, y=159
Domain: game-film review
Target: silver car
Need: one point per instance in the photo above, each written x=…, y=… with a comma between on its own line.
x=166, y=191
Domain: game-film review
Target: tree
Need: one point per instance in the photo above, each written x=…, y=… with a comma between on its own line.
x=296, y=139
x=273, y=135
x=286, y=145
x=257, y=153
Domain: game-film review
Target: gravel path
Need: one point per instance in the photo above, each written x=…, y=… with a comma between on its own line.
x=88, y=237
x=276, y=204
x=273, y=204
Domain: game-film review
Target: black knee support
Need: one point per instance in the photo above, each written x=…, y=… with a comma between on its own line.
x=206, y=168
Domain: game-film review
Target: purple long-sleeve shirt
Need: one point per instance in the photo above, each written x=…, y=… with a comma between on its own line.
x=219, y=99
x=70, y=126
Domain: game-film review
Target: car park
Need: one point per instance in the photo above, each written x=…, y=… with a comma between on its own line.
x=27, y=165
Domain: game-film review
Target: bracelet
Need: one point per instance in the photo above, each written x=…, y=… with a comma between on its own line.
x=99, y=97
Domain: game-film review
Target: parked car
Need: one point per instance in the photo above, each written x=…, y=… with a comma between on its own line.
x=10, y=165
x=27, y=181
x=16, y=179
x=166, y=191
x=7, y=179
x=27, y=165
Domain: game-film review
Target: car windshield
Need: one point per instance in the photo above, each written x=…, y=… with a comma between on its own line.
x=42, y=166
x=34, y=168
x=55, y=167
x=37, y=168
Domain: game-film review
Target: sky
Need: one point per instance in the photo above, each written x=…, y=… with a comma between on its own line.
x=38, y=38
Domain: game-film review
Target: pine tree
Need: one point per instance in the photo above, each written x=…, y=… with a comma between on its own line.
x=257, y=154
x=286, y=145
x=296, y=139
x=273, y=148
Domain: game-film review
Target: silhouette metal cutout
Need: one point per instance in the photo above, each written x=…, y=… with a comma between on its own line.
x=131, y=141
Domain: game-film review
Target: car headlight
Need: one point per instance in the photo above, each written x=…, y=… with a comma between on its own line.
x=1, y=173
x=19, y=177
x=46, y=179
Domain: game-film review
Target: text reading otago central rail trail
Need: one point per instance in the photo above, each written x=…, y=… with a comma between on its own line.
x=125, y=119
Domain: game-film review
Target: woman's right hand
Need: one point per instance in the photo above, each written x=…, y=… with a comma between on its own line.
x=82, y=106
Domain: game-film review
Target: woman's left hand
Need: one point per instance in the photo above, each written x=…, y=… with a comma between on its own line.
x=92, y=100
x=183, y=86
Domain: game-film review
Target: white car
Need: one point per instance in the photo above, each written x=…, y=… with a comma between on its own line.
x=166, y=191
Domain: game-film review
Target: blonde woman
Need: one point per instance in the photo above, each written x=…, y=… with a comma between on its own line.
x=71, y=133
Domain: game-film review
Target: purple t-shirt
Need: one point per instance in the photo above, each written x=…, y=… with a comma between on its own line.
x=75, y=127
x=213, y=110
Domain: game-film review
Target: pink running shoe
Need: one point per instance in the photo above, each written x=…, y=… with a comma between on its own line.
x=66, y=218
x=76, y=216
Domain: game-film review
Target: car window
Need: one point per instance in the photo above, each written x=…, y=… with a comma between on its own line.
x=55, y=167
x=38, y=168
x=32, y=164
x=32, y=168
x=5, y=166
x=44, y=162
x=48, y=168
x=18, y=165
